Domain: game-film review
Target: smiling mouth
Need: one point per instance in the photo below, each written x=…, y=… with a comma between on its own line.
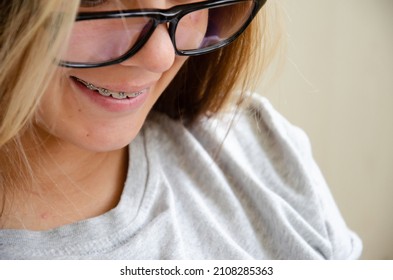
x=106, y=92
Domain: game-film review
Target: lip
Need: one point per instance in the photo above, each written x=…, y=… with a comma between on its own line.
x=111, y=104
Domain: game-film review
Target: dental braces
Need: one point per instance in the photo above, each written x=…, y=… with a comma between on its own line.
x=107, y=92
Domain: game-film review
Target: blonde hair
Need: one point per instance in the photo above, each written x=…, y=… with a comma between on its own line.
x=31, y=35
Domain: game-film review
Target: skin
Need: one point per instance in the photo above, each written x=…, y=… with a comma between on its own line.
x=84, y=160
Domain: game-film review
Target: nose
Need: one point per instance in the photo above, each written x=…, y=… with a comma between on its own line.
x=157, y=55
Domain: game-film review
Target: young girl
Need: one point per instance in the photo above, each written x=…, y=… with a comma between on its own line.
x=127, y=133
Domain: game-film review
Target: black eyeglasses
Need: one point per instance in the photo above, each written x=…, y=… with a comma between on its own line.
x=106, y=38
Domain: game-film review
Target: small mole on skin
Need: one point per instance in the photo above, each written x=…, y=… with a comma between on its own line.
x=45, y=216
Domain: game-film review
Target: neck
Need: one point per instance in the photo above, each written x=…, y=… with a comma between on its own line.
x=70, y=184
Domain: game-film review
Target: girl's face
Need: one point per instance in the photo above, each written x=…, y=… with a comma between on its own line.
x=72, y=112
x=103, y=109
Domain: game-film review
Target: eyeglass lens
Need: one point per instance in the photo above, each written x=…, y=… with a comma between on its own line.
x=102, y=40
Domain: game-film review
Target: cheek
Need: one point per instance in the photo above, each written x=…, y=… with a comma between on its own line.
x=102, y=40
x=169, y=75
x=197, y=22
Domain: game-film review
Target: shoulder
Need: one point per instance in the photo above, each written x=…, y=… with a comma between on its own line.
x=268, y=164
x=257, y=137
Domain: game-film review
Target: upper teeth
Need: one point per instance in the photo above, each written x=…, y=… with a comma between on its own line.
x=107, y=92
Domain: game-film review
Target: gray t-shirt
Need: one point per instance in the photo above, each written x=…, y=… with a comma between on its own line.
x=241, y=186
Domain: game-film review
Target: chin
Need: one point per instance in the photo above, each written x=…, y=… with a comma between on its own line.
x=98, y=146
x=103, y=142
x=88, y=138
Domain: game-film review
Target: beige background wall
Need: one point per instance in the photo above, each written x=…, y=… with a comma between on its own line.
x=337, y=85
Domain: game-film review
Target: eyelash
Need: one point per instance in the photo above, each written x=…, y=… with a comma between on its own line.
x=91, y=3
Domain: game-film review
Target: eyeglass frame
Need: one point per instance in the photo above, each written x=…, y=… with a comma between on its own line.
x=160, y=16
